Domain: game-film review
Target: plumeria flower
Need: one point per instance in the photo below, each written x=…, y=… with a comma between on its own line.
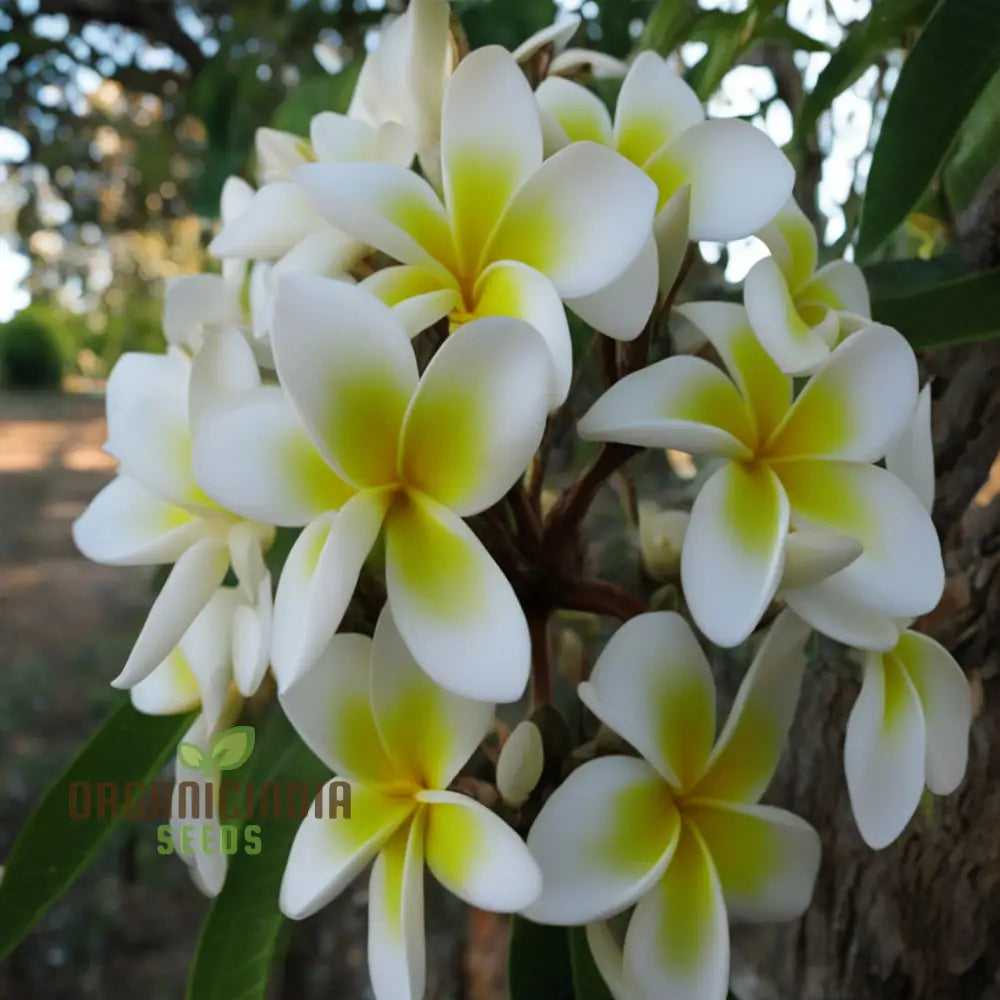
x=799, y=313
x=558, y=60
x=368, y=711
x=154, y=512
x=194, y=304
x=513, y=235
x=908, y=729
x=363, y=444
x=717, y=180
x=802, y=463
x=403, y=80
x=678, y=832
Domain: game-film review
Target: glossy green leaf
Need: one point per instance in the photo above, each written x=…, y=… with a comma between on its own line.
x=243, y=931
x=881, y=30
x=941, y=79
x=940, y=315
x=587, y=981
x=53, y=848
x=539, y=965
x=669, y=24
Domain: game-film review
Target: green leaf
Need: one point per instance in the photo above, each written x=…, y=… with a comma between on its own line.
x=241, y=935
x=940, y=315
x=233, y=747
x=669, y=24
x=948, y=68
x=538, y=966
x=588, y=983
x=321, y=93
x=977, y=152
x=190, y=755
x=775, y=29
x=865, y=41
x=727, y=36
x=52, y=848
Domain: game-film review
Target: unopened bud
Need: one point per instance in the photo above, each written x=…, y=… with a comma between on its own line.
x=571, y=655
x=661, y=537
x=519, y=766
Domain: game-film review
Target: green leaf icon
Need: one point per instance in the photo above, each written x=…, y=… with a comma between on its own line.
x=190, y=756
x=232, y=748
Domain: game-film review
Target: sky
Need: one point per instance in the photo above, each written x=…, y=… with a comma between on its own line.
x=844, y=131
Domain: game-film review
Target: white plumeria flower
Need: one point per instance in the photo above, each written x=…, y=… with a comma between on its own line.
x=679, y=834
x=717, y=180
x=194, y=304
x=908, y=729
x=564, y=61
x=803, y=464
x=514, y=235
x=798, y=313
x=815, y=582
x=403, y=80
x=155, y=512
x=369, y=712
x=363, y=443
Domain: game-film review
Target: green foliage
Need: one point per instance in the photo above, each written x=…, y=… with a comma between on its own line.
x=53, y=848
x=955, y=58
x=977, y=151
x=29, y=354
x=244, y=927
x=320, y=93
x=539, y=962
x=587, y=981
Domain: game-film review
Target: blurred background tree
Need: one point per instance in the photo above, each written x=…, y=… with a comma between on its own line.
x=120, y=120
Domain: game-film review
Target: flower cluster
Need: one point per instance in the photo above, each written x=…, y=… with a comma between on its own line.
x=376, y=368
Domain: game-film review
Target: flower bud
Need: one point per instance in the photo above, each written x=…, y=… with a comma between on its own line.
x=661, y=536
x=520, y=764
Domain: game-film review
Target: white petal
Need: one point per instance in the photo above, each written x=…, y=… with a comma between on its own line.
x=278, y=154
x=580, y=113
x=428, y=732
x=556, y=34
x=396, y=945
x=840, y=285
x=946, y=700
x=329, y=253
x=478, y=415
x=395, y=144
x=602, y=840
x=252, y=640
x=655, y=106
x=337, y=138
x=734, y=550
x=581, y=219
x=330, y=708
x=671, y=230
x=225, y=365
x=653, y=686
x=610, y=961
x=788, y=338
x=279, y=216
x=385, y=206
x=791, y=238
x=125, y=525
x=318, y=581
x=170, y=689
x=677, y=943
x=911, y=456
x=601, y=66
x=747, y=752
x=330, y=851
x=477, y=856
x=418, y=297
x=235, y=197
x=509, y=288
x=491, y=143
x=884, y=751
x=192, y=581
x=192, y=302
x=900, y=571
x=739, y=179
x=346, y=363
x=622, y=308
x=766, y=858
x=833, y=607
x=856, y=404
x=813, y=554
x=681, y=402
x=254, y=457
x=463, y=623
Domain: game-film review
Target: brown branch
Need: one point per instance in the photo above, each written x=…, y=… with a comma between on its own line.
x=600, y=597
x=529, y=527
x=541, y=669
